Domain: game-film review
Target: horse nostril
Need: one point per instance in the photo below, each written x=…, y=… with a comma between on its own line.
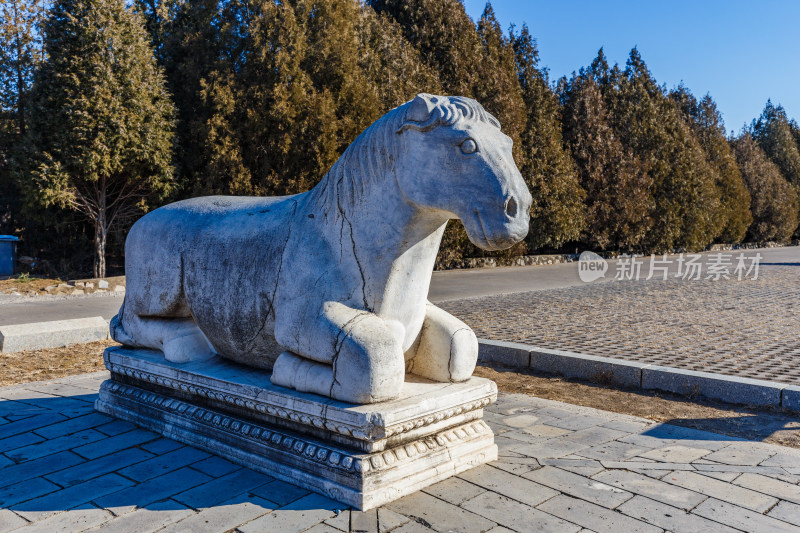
x=511, y=207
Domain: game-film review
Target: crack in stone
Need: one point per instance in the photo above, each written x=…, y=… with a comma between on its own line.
x=412, y=360
x=421, y=521
x=338, y=342
x=450, y=360
x=271, y=308
x=355, y=254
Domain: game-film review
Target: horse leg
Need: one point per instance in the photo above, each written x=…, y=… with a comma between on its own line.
x=447, y=349
x=178, y=338
x=345, y=354
x=155, y=313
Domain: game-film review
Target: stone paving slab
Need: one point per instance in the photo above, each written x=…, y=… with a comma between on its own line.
x=561, y=468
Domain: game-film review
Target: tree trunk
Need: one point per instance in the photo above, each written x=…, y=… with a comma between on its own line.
x=20, y=79
x=100, y=234
x=100, y=230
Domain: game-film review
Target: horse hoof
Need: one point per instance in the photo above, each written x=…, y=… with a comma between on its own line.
x=298, y=373
x=188, y=347
x=118, y=333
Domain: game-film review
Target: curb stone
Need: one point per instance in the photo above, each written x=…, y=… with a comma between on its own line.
x=53, y=334
x=729, y=389
x=635, y=375
x=790, y=398
x=506, y=353
x=573, y=365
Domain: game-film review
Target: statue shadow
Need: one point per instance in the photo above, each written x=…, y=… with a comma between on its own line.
x=747, y=425
x=684, y=418
x=58, y=454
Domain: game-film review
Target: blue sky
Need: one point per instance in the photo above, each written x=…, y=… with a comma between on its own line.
x=741, y=52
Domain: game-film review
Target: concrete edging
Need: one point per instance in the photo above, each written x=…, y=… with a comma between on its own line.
x=53, y=334
x=729, y=389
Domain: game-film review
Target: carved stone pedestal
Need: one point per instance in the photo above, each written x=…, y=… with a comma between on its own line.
x=361, y=455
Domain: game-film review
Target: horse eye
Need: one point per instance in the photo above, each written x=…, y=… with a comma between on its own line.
x=469, y=146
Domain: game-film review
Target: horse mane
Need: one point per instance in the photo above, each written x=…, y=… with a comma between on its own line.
x=371, y=155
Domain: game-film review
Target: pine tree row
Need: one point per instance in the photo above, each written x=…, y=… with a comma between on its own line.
x=109, y=110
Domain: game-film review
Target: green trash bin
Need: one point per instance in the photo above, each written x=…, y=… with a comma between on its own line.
x=8, y=254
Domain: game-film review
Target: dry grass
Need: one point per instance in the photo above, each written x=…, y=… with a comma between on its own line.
x=768, y=425
x=52, y=363
x=26, y=284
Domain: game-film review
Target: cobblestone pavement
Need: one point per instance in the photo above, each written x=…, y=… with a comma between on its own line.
x=561, y=468
x=748, y=328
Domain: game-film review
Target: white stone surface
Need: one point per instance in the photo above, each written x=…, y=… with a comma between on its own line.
x=333, y=282
x=424, y=406
x=363, y=455
x=39, y=335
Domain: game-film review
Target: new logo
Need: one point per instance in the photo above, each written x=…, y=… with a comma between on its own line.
x=591, y=266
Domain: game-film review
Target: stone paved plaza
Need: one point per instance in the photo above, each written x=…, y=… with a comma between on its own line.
x=66, y=467
x=748, y=328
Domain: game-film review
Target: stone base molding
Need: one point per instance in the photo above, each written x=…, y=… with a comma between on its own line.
x=362, y=455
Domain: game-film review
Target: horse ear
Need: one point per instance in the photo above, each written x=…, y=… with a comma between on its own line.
x=420, y=108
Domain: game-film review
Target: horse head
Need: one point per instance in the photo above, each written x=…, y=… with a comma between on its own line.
x=459, y=162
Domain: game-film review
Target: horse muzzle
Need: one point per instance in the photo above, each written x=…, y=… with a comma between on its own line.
x=500, y=230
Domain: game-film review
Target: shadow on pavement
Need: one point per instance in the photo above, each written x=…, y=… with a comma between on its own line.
x=58, y=454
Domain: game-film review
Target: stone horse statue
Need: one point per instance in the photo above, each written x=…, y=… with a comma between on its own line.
x=333, y=281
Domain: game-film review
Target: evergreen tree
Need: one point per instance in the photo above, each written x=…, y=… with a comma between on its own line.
x=774, y=204
x=618, y=190
x=270, y=94
x=599, y=71
x=685, y=200
x=773, y=133
x=333, y=65
x=158, y=18
x=477, y=62
x=706, y=123
x=391, y=63
x=795, y=129
x=100, y=135
x=499, y=89
x=446, y=38
x=351, y=53
x=360, y=61
x=196, y=49
x=288, y=129
x=20, y=54
x=557, y=214
x=274, y=92
x=500, y=93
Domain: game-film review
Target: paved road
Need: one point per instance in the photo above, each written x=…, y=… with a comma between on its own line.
x=742, y=328
x=45, y=308
x=445, y=286
x=561, y=468
x=475, y=283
